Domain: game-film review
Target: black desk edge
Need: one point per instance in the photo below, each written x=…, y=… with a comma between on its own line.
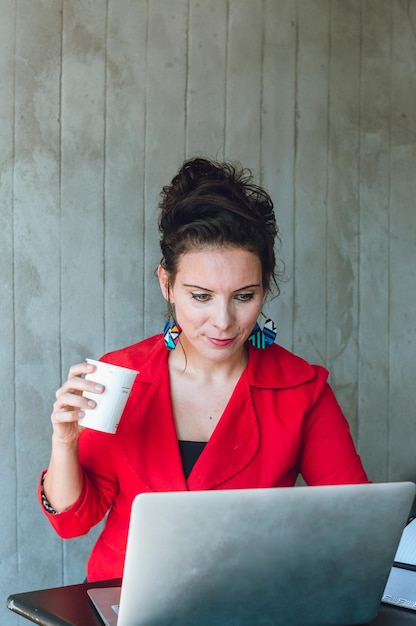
x=70, y=606
x=30, y=606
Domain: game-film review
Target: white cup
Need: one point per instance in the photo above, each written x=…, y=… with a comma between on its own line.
x=118, y=382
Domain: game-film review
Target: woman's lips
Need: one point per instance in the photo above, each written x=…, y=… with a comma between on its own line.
x=221, y=342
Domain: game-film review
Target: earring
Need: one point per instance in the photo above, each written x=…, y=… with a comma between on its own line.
x=263, y=337
x=171, y=332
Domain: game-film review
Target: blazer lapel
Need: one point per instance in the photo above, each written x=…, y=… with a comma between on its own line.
x=154, y=456
x=233, y=444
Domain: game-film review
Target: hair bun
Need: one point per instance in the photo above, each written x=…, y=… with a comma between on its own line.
x=216, y=204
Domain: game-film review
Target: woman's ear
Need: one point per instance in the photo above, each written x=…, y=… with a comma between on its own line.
x=163, y=276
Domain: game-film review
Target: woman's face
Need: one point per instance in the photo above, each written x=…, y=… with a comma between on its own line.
x=218, y=294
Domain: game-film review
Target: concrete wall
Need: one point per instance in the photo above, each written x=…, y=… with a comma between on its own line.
x=100, y=101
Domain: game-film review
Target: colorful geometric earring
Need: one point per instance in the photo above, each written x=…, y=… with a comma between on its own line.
x=171, y=332
x=263, y=337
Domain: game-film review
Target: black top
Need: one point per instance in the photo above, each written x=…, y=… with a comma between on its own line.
x=190, y=453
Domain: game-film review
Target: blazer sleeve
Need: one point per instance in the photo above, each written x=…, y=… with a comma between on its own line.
x=327, y=454
x=100, y=486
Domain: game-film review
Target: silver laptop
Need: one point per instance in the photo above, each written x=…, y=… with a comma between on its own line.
x=401, y=584
x=301, y=556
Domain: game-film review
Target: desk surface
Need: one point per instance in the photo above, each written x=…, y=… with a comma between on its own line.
x=70, y=606
x=60, y=606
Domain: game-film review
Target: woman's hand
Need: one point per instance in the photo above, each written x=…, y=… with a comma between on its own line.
x=70, y=403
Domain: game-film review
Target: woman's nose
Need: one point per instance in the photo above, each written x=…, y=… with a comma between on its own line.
x=223, y=316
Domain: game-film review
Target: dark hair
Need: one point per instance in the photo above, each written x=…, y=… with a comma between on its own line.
x=216, y=204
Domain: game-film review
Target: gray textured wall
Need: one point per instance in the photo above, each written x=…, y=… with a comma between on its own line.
x=100, y=101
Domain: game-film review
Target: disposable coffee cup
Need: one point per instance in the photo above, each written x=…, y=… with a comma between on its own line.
x=118, y=382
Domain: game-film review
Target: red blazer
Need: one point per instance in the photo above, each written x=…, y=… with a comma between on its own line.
x=282, y=420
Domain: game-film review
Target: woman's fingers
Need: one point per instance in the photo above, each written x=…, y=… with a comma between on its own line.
x=75, y=385
x=70, y=402
x=66, y=416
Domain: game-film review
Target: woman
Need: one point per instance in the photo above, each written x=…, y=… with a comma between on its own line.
x=214, y=406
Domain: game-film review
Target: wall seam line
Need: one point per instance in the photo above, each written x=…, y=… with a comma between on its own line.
x=226, y=68
x=295, y=164
x=13, y=224
x=60, y=172
x=104, y=179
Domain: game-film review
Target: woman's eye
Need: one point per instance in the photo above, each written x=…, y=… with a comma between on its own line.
x=205, y=297
x=244, y=297
x=200, y=297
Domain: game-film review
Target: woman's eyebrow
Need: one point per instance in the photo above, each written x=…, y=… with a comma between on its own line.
x=196, y=287
x=211, y=290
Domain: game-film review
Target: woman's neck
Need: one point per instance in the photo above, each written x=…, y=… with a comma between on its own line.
x=186, y=361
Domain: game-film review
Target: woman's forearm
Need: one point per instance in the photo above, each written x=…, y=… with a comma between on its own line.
x=63, y=480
